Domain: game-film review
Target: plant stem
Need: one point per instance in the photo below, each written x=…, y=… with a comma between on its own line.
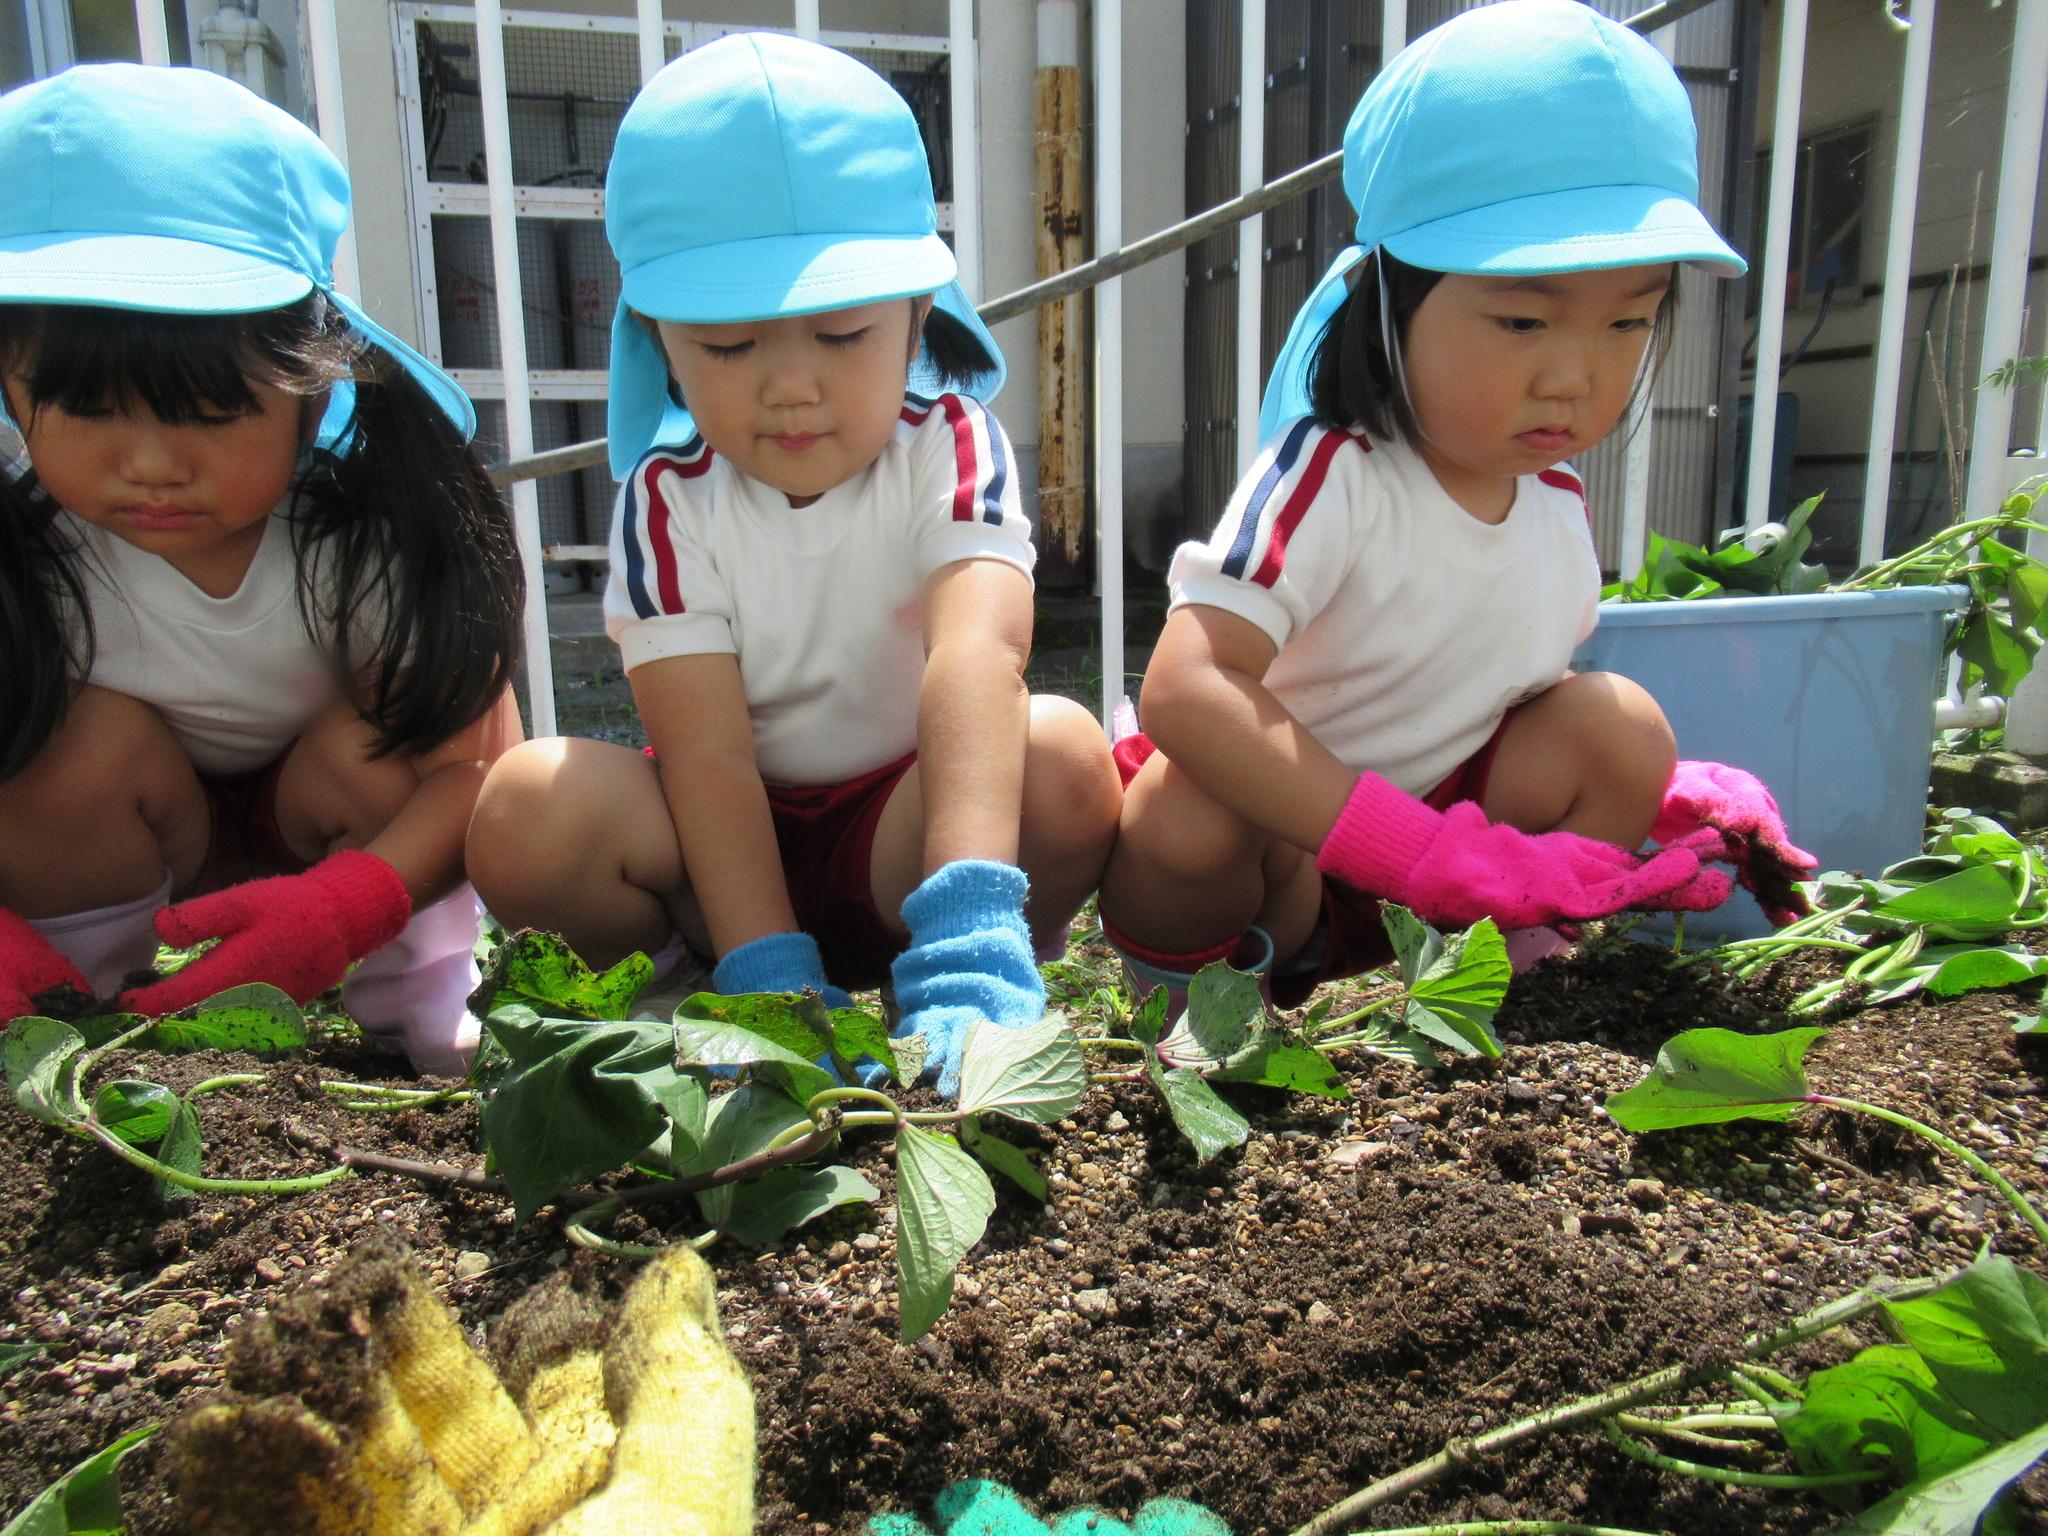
x=87, y=1060
x=903, y=1117
x=1712, y=1474
x=199, y=1183
x=215, y=1084
x=1984, y=1170
x=1347, y=1020
x=1113, y=1043
x=1684, y=1434
x=1462, y=1452
x=1511, y=1528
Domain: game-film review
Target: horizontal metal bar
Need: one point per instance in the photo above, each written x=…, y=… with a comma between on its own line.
x=1051, y=290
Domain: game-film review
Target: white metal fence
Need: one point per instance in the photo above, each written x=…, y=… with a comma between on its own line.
x=2014, y=216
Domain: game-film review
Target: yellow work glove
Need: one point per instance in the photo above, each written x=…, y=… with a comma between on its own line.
x=359, y=1409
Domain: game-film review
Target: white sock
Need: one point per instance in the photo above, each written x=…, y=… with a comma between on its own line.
x=413, y=994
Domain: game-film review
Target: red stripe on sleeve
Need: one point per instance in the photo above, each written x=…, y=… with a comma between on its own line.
x=1297, y=506
x=668, y=579
x=965, y=461
x=1565, y=480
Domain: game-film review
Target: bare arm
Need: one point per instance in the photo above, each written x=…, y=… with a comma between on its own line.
x=973, y=711
x=423, y=842
x=1206, y=706
x=696, y=715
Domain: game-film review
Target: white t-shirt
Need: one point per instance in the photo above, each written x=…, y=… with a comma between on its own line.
x=236, y=678
x=1406, y=627
x=819, y=603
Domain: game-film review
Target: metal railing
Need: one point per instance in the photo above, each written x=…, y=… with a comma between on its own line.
x=2026, y=97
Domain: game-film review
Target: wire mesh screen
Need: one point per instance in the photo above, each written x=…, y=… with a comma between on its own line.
x=569, y=280
x=565, y=88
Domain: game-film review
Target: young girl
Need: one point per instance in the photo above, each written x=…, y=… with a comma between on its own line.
x=820, y=581
x=258, y=602
x=1362, y=688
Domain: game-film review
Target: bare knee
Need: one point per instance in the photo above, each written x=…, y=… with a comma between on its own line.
x=528, y=826
x=1177, y=829
x=1072, y=795
x=335, y=790
x=1594, y=754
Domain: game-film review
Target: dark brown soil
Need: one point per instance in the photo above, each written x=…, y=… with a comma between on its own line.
x=1266, y=1333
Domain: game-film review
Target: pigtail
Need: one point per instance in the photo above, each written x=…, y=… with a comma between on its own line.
x=407, y=559
x=955, y=353
x=45, y=626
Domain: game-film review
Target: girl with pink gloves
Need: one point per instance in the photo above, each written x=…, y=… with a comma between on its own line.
x=259, y=604
x=1363, y=690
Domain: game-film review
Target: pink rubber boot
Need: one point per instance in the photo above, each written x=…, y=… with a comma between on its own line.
x=412, y=995
x=108, y=944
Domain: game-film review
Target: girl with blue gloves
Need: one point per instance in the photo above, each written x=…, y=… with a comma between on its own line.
x=820, y=584
x=259, y=604
x=1363, y=687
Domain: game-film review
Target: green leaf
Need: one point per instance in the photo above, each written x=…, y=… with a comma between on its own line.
x=801, y=1034
x=944, y=1201
x=136, y=1111
x=40, y=1057
x=1954, y=969
x=738, y=1125
x=784, y=1199
x=1225, y=1010
x=1705, y=1076
x=1953, y=1504
x=1985, y=1337
x=540, y=971
x=256, y=1017
x=1416, y=944
x=180, y=1149
x=713, y=1034
x=857, y=1033
x=1273, y=1061
x=1974, y=903
x=86, y=1501
x=1035, y=1074
x=1148, y=1021
x=1210, y=1125
x=1460, y=989
x=14, y=1356
x=1881, y=1409
x=1006, y=1158
x=579, y=1099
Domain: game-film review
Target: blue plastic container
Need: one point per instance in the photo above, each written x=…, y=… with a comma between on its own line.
x=1828, y=698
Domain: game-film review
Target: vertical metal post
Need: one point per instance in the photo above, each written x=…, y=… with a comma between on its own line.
x=490, y=66
x=1738, y=204
x=1393, y=29
x=1109, y=347
x=1640, y=424
x=1251, y=233
x=1763, y=415
x=653, y=48
x=963, y=66
x=1898, y=270
x=1060, y=194
x=807, y=19
x=152, y=32
x=2005, y=294
x=324, y=43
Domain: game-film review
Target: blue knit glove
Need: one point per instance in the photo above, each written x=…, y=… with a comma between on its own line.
x=969, y=958
x=777, y=962
x=981, y=1508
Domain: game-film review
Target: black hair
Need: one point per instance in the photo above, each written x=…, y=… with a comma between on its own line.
x=408, y=568
x=956, y=353
x=1352, y=381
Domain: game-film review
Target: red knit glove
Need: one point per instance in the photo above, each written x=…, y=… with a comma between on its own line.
x=298, y=932
x=29, y=966
x=1744, y=829
x=1455, y=866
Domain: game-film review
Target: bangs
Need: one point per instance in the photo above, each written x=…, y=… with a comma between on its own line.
x=181, y=368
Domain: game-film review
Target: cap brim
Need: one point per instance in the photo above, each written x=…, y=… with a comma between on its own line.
x=786, y=275
x=445, y=392
x=151, y=272
x=1582, y=229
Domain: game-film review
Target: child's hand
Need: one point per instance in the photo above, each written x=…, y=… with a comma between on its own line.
x=969, y=958
x=777, y=962
x=298, y=932
x=1734, y=804
x=1456, y=867
x=30, y=966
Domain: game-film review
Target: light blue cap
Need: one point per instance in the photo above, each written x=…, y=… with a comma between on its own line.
x=1522, y=138
x=756, y=177
x=134, y=186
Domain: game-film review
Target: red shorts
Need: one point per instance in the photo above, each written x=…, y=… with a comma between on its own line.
x=243, y=842
x=826, y=835
x=1354, y=940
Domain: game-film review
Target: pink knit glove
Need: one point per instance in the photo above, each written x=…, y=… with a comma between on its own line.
x=299, y=932
x=30, y=966
x=1456, y=867
x=1744, y=829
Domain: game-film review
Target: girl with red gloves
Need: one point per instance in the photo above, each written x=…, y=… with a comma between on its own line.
x=259, y=604
x=1363, y=687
